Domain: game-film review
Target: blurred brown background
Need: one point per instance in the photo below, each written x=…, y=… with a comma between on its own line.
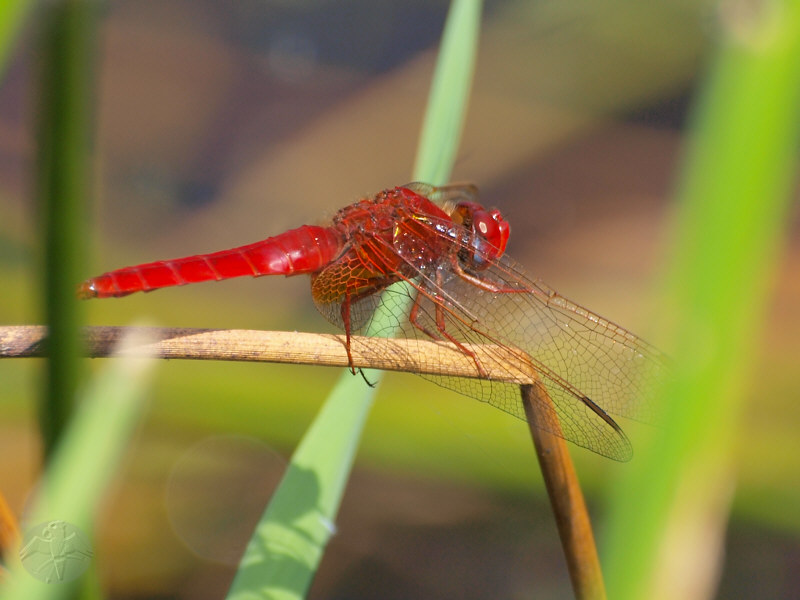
x=221, y=123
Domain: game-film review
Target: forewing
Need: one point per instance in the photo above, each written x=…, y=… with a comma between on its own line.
x=446, y=194
x=583, y=360
x=328, y=289
x=465, y=320
x=594, y=356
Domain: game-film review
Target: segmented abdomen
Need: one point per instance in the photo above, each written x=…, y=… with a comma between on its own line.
x=306, y=249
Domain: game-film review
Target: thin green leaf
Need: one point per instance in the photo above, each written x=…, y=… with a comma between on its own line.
x=86, y=459
x=669, y=512
x=12, y=15
x=62, y=187
x=288, y=543
x=449, y=95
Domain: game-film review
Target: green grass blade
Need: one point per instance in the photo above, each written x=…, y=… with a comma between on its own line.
x=85, y=460
x=671, y=507
x=288, y=543
x=12, y=15
x=62, y=187
x=449, y=95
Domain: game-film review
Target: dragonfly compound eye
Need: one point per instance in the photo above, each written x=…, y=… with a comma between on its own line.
x=491, y=226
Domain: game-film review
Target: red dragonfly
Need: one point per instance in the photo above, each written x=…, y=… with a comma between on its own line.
x=451, y=252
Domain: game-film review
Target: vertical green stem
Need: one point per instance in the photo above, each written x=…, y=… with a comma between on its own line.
x=12, y=15
x=671, y=507
x=62, y=188
x=289, y=542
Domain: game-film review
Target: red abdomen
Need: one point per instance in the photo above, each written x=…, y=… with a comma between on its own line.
x=306, y=249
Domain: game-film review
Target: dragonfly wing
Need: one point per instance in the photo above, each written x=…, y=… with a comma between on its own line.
x=588, y=364
x=328, y=289
x=446, y=194
x=574, y=418
x=584, y=361
x=598, y=358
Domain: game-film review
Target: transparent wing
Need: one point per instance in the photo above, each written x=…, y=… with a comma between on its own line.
x=589, y=365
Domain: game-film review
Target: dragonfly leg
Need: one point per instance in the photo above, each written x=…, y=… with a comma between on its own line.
x=367, y=381
x=485, y=284
x=345, y=312
x=441, y=326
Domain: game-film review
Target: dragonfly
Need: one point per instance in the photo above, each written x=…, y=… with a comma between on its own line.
x=462, y=289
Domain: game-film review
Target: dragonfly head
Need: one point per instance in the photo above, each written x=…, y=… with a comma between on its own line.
x=490, y=231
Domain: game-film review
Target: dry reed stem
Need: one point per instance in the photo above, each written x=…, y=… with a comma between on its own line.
x=417, y=356
x=566, y=498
